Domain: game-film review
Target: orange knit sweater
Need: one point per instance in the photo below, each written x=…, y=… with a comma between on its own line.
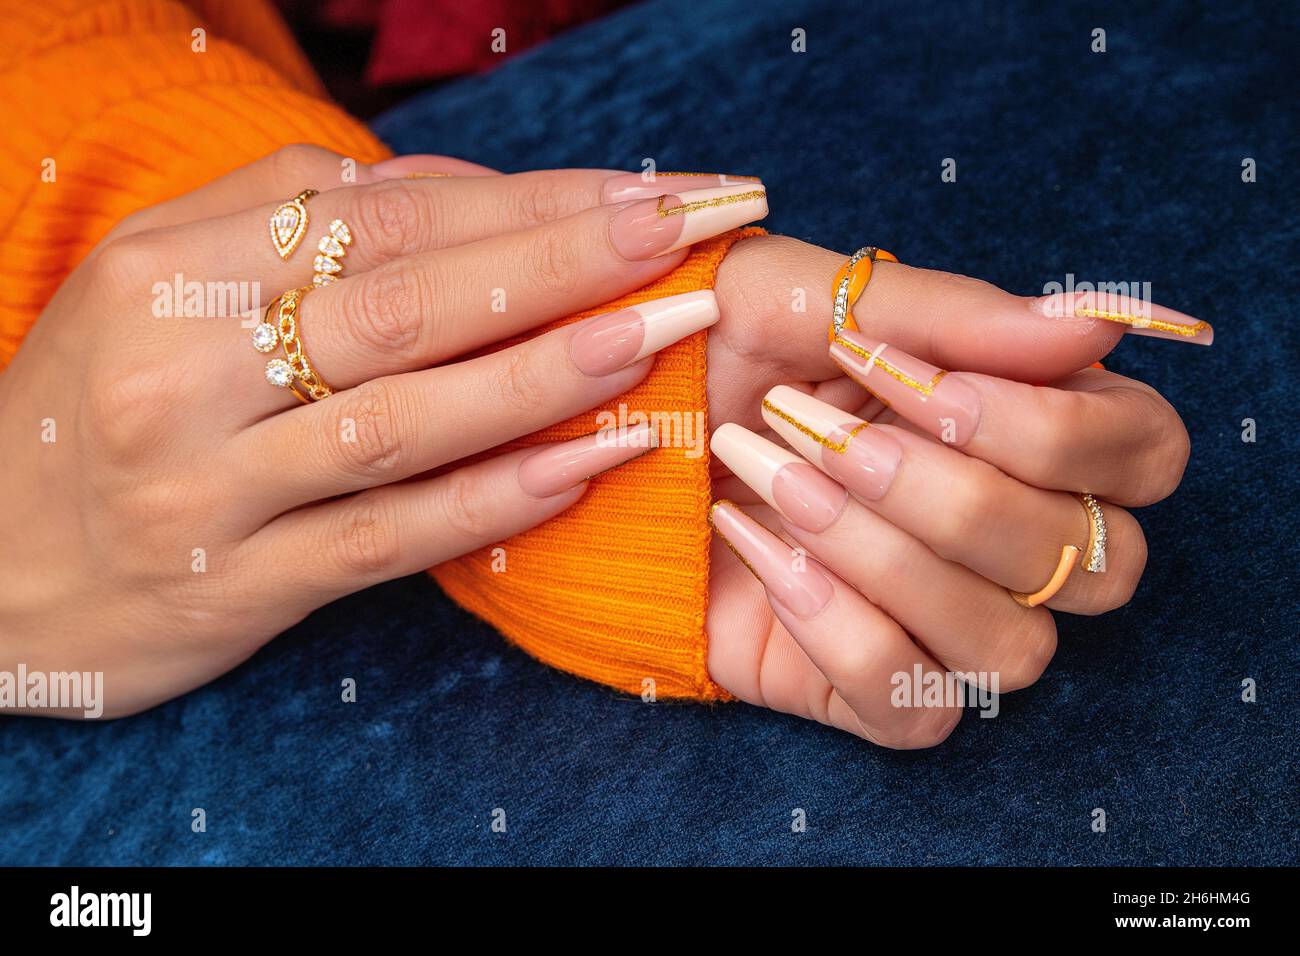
x=113, y=94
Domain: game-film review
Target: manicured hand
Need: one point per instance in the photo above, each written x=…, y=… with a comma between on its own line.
x=170, y=511
x=885, y=551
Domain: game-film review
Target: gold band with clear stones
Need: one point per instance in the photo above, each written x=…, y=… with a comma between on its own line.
x=293, y=371
x=288, y=223
x=332, y=247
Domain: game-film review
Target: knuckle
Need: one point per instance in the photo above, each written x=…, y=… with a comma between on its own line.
x=553, y=262
x=752, y=297
x=539, y=199
x=126, y=262
x=466, y=511
x=961, y=521
x=521, y=384
x=390, y=218
x=373, y=447
x=1170, y=448
x=122, y=410
x=299, y=162
x=384, y=310
x=924, y=728
x=365, y=539
x=1033, y=649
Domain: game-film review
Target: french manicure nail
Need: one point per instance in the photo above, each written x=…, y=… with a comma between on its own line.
x=924, y=394
x=790, y=576
x=862, y=458
x=1140, y=317
x=557, y=468
x=801, y=493
x=656, y=227
x=626, y=187
x=606, y=343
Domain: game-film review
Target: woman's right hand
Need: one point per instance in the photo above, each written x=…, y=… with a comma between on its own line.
x=177, y=511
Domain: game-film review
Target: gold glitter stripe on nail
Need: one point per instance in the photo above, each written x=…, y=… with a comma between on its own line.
x=705, y=203
x=731, y=547
x=742, y=179
x=926, y=388
x=1143, y=322
x=838, y=447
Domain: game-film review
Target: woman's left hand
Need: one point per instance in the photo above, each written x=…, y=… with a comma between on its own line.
x=882, y=554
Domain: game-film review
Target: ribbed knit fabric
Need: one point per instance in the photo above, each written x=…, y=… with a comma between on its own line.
x=114, y=94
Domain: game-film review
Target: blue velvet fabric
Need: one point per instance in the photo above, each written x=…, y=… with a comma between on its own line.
x=1118, y=165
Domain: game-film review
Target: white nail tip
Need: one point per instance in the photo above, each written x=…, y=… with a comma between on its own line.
x=674, y=317
x=752, y=458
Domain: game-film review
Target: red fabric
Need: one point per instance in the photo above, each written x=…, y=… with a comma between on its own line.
x=419, y=40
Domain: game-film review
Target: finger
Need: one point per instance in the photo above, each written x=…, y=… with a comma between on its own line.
x=282, y=174
x=426, y=309
x=963, y=509
x=1094, y=431
x=963, y=619
x=852, y=642
x=352, y=543
x=780, y=290
x=399, y=426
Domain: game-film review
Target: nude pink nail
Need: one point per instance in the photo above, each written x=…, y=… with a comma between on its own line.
x=924, y=394
x=557, y=468
x=789, y=576
x=626, y=187
x=1137, y=315
x=656, y=227
x=607, y=343
x=801, y=493
x=862, y=458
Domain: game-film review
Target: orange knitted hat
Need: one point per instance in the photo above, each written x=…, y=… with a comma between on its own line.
x=159, y=120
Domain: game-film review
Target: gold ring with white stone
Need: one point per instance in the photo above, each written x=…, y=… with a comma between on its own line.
x=331, y=248
x=289, y=223
x=1094, y=556
x=293, y=371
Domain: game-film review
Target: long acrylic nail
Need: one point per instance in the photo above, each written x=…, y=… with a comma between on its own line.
x=558, y=468
x=656, y=227
x=790, y=576
x=801, y=493
x=606, y=343
x=626, y=187
x=862, y=458
x=922, y=393
x=1140, y=317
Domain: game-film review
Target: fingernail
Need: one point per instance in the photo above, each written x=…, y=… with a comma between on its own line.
x=415, y=166
x=790, y=576
x=656, y=227
x=558, y=468
x=862, y=458
x=925, y=395
x=606, y=343
x=806, y=497
x=626, y=187
x=1139, y=316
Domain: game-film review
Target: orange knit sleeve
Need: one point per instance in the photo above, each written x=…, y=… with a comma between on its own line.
x=111, y=108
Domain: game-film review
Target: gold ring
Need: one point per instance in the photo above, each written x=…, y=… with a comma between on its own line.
x=293, y=371
x=850, y=282
x=1093, y=562
x=331, y=248
x=289, y=223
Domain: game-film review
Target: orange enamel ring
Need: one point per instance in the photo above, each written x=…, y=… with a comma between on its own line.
x=850, y=282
